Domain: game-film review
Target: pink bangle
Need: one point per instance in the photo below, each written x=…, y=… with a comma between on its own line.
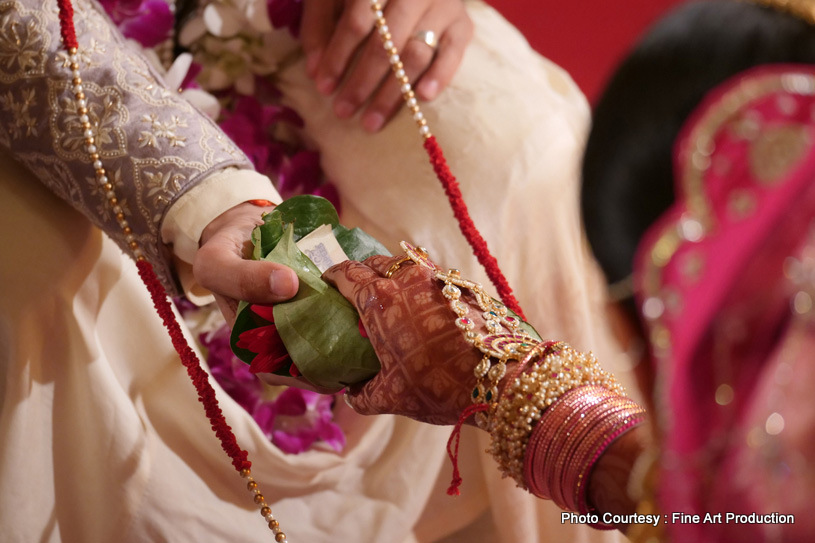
x=569, y=439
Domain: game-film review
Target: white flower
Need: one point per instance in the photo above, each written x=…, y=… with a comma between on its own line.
x=234, y=42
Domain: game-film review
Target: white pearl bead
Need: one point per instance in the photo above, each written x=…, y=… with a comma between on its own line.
x=405, y=88
x=388, y=44
x=412, y=102
x=88, y=133
x=384, y=30
x=103, y=179
x=91, y=148
x=77, y=89
x=97, y=164
x=117, y=209
x=81, y=103
x=400, y=74
x=424, y=130
x=130, y=238
x=378, y=14
x=84, y=119
x=394, y=59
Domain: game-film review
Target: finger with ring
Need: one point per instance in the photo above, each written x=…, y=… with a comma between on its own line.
x=395, y=266
x=428, y=37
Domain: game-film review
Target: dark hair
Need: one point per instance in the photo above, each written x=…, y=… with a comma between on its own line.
x=627, y=167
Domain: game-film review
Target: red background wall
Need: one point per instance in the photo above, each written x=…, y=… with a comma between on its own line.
x=586, y=37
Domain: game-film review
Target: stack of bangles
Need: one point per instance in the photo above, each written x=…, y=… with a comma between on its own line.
x=559, y=410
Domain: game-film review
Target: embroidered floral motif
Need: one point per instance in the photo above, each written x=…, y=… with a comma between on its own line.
x=162, y=130
x=106, y=115
x=21, y=45
x=20, y=109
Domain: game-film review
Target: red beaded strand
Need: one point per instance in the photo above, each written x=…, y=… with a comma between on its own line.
x=442, y=171
x=199, y=377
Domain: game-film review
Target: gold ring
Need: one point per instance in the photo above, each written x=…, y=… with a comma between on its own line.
x=395, y=266
x=428, y=37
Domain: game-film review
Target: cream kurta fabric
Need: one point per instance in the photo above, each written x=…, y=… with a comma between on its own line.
x=102, y=436
x=512, y=126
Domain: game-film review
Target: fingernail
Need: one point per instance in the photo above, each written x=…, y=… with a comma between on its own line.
x=326, y=85
x=312, y=61
x=429, y=89
x=343, y=109
x=283, y=283
x=373, y=121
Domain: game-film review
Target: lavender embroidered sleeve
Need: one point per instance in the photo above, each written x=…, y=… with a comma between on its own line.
x=153, y=144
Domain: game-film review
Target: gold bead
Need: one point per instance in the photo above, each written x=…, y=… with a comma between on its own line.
x=72, y=51
x=410, y=94
x=114, y=201
x=246, y=472
x=120, y=216
x=133, y=245
x=265, y=511
x=259, y=499
x=74, y=66
x=393, y=51
x=399, y=65
x=77, y=81
x=80, y=95
x=273, y=524
x=251, y=485
x=280, y=536
x=140, y=258
x=94, y=157
x=107, y=186
x=387, y=36
x=83, y=111
x=422, y=122
x=414, y=108
x=127, y=230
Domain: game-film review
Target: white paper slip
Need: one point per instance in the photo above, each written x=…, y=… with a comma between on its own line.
x=322, y=248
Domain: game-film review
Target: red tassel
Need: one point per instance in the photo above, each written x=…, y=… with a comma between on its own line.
x=452, y=450
x=465, y=222
x=66, y=24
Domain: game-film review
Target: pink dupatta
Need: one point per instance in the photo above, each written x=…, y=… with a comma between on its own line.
x=726, y=282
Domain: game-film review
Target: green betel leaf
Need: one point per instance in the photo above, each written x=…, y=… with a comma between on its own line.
x=358, y=244
x=306, y=212
x=319, y=327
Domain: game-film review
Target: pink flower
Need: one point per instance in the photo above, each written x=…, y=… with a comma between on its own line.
x=299, y=418
x=230, y=372
x=248, y=123
x=286, y=14
x=149, y=22
x=270, y=352
x=302, y=174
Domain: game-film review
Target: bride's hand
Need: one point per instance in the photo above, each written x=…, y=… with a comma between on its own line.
x=344, y=51
x=427, y=366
